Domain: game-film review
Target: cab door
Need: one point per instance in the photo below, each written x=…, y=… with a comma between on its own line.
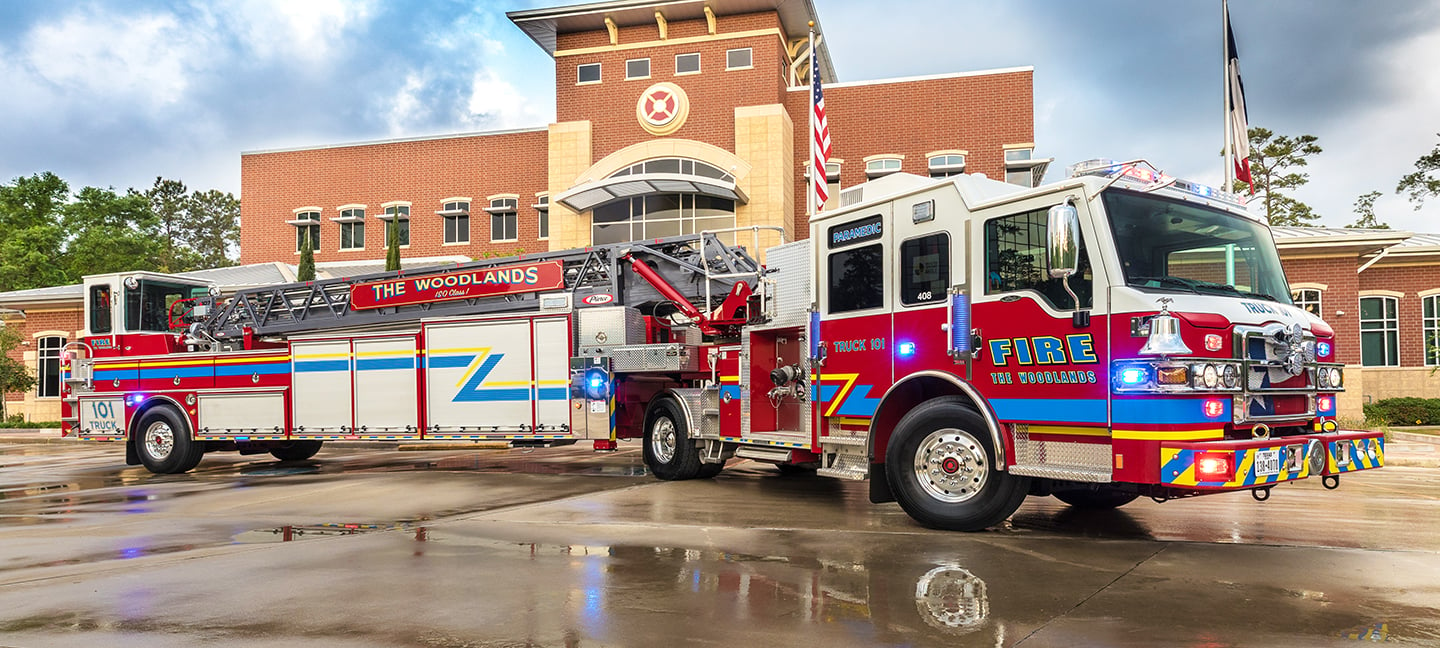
x=1040, y=360
x=855, y=325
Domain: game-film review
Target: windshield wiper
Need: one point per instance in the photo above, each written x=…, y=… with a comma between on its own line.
x=1166, y=281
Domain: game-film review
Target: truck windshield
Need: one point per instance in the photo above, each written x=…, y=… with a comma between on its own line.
x=1172, y=246
x=147, y=305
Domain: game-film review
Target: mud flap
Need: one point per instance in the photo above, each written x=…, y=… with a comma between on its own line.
x=132, y=458
x=879, y=485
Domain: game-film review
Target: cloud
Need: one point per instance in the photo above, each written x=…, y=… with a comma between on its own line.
x=496, y=103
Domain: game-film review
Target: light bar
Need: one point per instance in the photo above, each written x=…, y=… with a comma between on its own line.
x=1133, y=171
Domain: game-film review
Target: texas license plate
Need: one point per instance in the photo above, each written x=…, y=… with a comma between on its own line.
x=1267, y=462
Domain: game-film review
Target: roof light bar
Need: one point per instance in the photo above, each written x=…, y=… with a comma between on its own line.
x=1133, y=172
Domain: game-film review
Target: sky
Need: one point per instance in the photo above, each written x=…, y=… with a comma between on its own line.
x=118, y=93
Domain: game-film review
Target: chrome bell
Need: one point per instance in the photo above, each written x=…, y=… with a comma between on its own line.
x=1165, y=337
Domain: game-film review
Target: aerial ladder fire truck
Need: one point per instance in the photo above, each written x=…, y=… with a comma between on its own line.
x=959, y=342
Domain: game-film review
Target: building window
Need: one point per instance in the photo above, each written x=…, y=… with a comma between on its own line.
x=1018, y=154
x=660, y=216
x=1015, y=260
x=1022, y=177
x=402, y=213
x=542, y=209
x=944, y=166
x=504, y=219
x=352, y=228
x=687, y=63
x=637, y=68
x=739, y=59
x=47, y=371
x=832, y=185
x=1379, y=332
x=1022, y=167
x=457, y=220
x=307, y=223
x=587, y=73
x=1432, y=330
x=881, y=167
x=1308, y=299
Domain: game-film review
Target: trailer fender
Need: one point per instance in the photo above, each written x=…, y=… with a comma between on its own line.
x=917, y=388
x=132, y=456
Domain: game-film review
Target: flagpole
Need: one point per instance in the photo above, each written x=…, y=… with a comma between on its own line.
x=1229, y=174
x=810, y=184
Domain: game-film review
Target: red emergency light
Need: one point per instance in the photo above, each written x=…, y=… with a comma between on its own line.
x=1214, y=466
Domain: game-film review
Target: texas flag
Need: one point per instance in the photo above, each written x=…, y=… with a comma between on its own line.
x=1239, y=122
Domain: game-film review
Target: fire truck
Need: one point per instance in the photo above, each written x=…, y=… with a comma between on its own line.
x=958, y=342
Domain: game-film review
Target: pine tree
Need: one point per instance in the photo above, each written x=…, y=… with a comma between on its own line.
x=306, y=272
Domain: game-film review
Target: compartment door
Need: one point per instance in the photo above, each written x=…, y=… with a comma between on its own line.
x=479, y=380
x=386, y=403
x=324, y=391
x=552, y=376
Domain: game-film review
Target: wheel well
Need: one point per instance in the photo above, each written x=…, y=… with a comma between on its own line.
x=150, y=404
x=909, y=394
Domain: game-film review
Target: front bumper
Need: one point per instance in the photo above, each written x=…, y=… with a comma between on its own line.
x=1344, y=452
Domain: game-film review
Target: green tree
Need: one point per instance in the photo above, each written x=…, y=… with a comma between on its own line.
x=30, y=235
x=27, y=202
x=306, y=271
x=214, y=225
x=111, y=232
x=169, y=200
x=1275, y=161
x=14, y=377
x=1423, y=183
x=392, y=244
x=1365, y=213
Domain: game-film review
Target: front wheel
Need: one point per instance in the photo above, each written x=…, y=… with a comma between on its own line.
x=940, y=466
x=164, y=444
x=670, y=453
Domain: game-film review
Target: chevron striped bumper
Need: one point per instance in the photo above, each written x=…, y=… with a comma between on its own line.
x=1264, y=462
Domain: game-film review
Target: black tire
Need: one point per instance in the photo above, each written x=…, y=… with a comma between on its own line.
x=296, y=450
x=708, y=471
x=961, y=491
x=1097, y=498
x=670, y=453
x=162, y=440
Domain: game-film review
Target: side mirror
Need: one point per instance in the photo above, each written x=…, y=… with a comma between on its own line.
x=1063, y=251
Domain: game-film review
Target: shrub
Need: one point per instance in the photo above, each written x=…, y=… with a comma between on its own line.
x=1405, y=411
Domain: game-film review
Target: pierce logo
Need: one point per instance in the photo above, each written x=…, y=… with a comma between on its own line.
x=595, y=300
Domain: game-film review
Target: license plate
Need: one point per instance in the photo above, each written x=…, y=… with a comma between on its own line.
x=1267, y=462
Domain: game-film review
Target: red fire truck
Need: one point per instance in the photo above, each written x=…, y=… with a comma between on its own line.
x=959, y=342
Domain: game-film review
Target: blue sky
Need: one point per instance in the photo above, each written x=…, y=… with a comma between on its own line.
x=114, y=94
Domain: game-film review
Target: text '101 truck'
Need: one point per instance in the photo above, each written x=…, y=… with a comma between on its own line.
x=959, y=342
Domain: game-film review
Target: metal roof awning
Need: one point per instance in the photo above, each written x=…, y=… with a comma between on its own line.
x=594, y=194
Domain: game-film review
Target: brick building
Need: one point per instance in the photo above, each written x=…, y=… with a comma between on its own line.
x=670, y=118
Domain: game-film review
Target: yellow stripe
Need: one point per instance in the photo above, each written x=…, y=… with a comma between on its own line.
x=1150, y=435
x=118, y=365
x=844, y=390
x=314, y=356
x=285, y=358
x=734, y=379
x=387, y=354
x=1067, y=430
x=1243, y=470
x=474, y=364
x=173, y=363
x=510, y=383
x=554, y=382
x=459, y=350
x=845, y=420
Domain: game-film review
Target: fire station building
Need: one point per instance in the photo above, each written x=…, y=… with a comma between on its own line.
x=686, y=115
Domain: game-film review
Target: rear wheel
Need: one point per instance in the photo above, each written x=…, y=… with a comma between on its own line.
x=296, y=450
x=163, y=442
x=670, y=453
x=1097, y=498
x=940, y=466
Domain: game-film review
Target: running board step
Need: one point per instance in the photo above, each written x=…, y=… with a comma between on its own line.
x=842, y=473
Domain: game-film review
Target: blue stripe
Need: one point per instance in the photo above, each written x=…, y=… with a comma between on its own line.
x=1061, y=410
x=554, y=393
x=150, y=373
x=1166, y=411
x=322, y=365
x=385, y=363
x=266, y=369
x=858, y=402
x=505, y=394
x=450, y=362
x=734, y=391
x=117, y=374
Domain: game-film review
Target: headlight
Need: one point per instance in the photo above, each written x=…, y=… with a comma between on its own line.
x=1322, y=376
x=1335, y=377
x=1231, y=377
x=1211, y=377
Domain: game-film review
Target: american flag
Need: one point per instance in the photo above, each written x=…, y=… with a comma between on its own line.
x=1239, y=120
x=820, y=136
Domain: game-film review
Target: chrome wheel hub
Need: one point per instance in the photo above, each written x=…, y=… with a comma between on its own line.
x=662, y=440
x=951, y=465
x=159, y=440
x=952, y=598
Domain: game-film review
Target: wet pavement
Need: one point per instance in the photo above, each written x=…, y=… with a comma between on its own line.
x=563, y=547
